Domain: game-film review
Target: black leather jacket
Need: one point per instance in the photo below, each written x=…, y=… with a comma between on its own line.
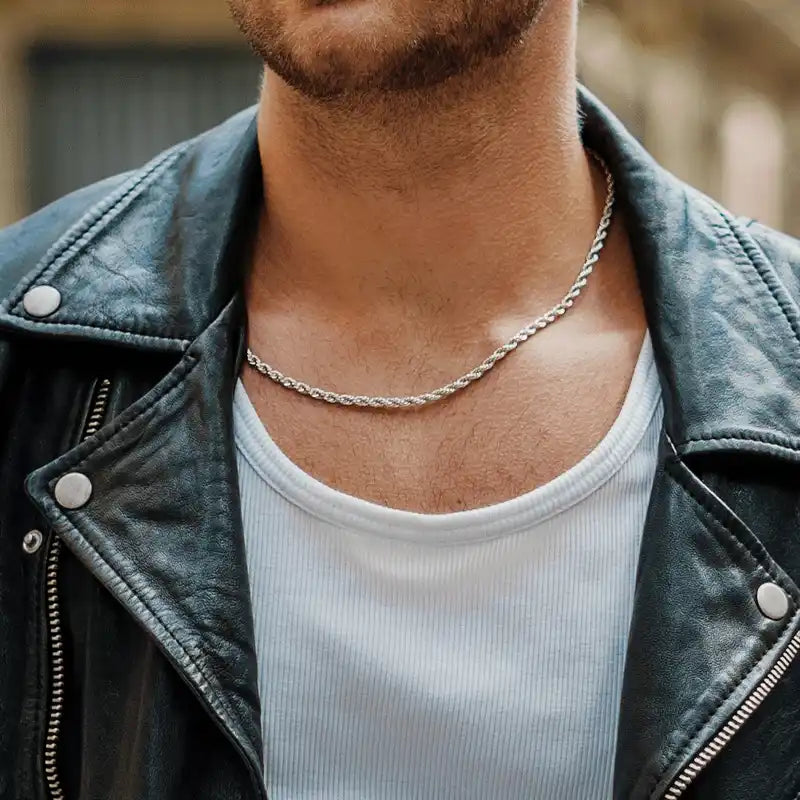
x=127, y=669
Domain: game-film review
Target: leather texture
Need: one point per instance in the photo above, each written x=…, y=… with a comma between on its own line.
x=161, y=698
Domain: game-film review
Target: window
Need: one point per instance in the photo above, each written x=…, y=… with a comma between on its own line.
x=100, y=111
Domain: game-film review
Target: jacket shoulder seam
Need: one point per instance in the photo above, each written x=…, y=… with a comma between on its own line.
x=765, y=271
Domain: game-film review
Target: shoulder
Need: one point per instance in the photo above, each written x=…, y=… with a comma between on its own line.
x=780, y=250
x=189, y=174
x=25, y=243
x=775, y=244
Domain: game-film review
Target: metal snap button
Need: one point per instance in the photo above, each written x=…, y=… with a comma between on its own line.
x=772, y=601
x=41, y=301
x=32, y=541
x=73, y=490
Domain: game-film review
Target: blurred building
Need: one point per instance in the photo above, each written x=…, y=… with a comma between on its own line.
x=89, y=88
x=712, y=87
x=92, y=87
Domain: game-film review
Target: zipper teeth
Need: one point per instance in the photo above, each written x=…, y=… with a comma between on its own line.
x=56, y=674
x=98, y=410
x=735, y=722
x=93, y=423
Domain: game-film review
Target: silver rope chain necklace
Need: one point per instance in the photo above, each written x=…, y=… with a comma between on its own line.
x=416, y=401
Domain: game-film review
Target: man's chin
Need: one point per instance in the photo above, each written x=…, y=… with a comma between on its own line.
x=327, y=75
x=327, y=49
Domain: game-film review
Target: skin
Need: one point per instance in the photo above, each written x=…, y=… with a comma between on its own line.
x=428, y=195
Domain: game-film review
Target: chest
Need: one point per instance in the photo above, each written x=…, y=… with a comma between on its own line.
x=536, y=414
x=474, y=648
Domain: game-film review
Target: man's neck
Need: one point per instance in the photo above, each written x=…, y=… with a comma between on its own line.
x=460, y=197
x=403, y=240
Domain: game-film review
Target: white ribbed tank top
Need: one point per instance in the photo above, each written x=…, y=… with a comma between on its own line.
x=476, y=655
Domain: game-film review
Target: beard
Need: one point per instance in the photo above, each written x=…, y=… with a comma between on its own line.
x=330, y=49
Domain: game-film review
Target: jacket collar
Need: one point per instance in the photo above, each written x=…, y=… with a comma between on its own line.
x=725, y=330
x=154, y=263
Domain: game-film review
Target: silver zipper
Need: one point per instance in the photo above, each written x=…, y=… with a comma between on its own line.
x=690, y=772
x=93, y=423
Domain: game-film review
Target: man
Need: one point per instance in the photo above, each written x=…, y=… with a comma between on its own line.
x=325, y=555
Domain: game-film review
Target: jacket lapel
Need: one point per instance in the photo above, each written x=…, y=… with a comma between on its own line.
x=162, y=529
x=157, y=266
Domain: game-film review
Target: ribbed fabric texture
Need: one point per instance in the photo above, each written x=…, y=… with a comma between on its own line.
x=470, y=655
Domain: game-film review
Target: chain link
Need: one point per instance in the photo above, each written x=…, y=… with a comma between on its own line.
x=540, y=323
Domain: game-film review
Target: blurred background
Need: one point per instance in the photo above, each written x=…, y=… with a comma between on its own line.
x=89, y=88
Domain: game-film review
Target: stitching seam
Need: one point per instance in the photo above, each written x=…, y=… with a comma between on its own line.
x=696, y=732
x=182, y=341
x=205, y=685
x=759, y=262
x=766, y=438
x=82, y=233
x=717, y=523
x=789, y=449
x=86, y=227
